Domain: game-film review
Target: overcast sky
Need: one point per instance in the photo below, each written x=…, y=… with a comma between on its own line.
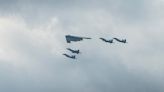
x=32, y=41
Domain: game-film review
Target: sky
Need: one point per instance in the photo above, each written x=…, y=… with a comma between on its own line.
x=32, y=41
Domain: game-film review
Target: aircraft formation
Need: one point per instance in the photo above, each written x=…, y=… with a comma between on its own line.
x=70, y=38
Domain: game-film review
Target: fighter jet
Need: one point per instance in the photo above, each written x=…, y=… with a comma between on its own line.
x=74, y=51
x=70, y=38
x=109, y=41
x=123, y=40
x=72, y=57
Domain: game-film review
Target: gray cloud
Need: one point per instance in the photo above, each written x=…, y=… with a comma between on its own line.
x=32, y=41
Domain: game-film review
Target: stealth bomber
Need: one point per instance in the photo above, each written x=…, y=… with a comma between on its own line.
x=70, y=38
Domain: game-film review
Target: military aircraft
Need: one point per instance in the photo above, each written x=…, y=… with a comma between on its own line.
x=74, y=51
x=123, y=40
x=109, y=41
x=70, y=38
x=73, y=56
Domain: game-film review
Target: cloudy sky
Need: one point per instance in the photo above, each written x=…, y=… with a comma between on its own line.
x=32, y=41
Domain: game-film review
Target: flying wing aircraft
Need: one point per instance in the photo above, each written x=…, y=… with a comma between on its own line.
x=109, y=41
x=73, y=56
x=70, y=38
x=74, y=51
x=123, y=40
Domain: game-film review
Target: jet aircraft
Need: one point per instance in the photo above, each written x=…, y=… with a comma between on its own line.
x=72, y=57
x=123, y=40
x=70, y=38
x=74, y=51
x=109, y=41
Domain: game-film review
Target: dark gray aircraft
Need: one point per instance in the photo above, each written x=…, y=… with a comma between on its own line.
x=123, y=40
x=70, y=38
x=109, y=41
x=74, y=51
x=73, y=56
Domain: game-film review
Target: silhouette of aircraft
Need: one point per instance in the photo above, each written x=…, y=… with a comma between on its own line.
x=109, y=41
x=72, y=57
x=74, y=51
x=70, y=38
x=123, y=40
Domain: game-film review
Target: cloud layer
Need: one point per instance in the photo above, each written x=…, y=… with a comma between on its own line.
x=32, y=42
